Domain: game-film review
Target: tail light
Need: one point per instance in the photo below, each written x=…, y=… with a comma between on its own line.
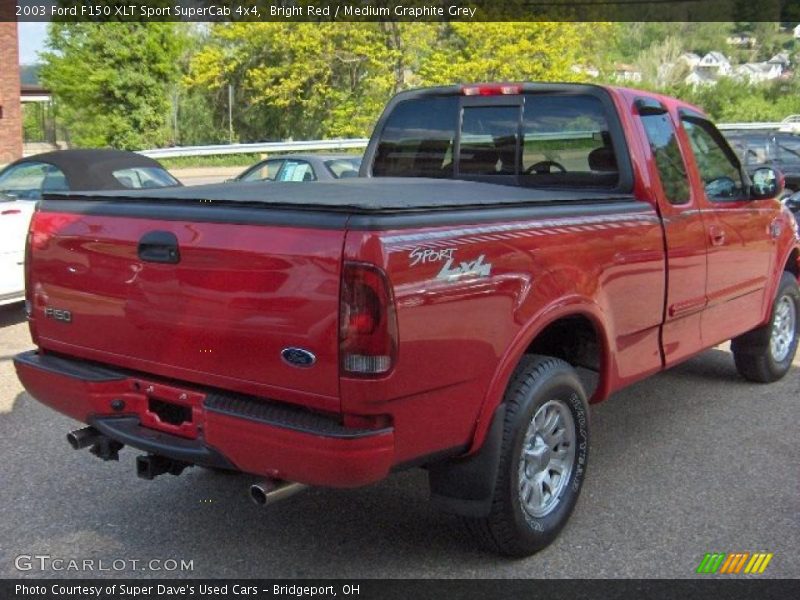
x=367, y=321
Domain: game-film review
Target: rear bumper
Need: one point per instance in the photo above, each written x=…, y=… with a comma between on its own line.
x=251, y=435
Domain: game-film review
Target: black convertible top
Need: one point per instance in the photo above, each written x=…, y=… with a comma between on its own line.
x=91, y=169
x=361, y=194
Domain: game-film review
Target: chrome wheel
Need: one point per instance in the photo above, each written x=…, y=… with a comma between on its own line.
x=783, y=329
x=548, y=452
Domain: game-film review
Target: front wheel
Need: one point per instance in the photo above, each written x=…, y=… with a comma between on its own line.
x=543, y=459
x=766, y=354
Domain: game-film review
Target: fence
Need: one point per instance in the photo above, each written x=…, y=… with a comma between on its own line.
x=790, y=123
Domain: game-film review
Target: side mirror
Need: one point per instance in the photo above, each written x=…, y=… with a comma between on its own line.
x=766, y=183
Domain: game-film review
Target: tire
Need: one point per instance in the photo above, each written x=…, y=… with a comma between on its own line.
x=765, y=354
x=544, y=395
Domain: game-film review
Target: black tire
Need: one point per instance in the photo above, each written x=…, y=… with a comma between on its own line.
x=753, y=352
x=509, y=529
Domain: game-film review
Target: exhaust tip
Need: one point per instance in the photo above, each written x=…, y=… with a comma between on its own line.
x=82, y=438
x=258, y=494
x=73, y=440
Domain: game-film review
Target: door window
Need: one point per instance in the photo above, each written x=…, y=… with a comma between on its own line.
x=716, y=162
x=265, y=171
x=296, y=170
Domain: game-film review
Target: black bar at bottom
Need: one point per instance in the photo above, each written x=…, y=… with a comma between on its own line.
x=699, y=588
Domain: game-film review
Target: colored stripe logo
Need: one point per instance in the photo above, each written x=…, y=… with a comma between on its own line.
x=734, y=563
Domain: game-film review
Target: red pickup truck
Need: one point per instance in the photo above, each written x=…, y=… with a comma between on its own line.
x=510, y=254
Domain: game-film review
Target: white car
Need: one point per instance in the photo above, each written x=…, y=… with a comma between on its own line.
x=15, y=216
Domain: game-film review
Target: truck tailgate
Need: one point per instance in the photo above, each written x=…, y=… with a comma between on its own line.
x=221, y=315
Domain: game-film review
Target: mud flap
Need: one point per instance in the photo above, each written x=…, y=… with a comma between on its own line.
x=466, y=486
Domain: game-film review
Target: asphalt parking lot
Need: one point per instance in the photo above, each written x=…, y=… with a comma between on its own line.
x=691, y=461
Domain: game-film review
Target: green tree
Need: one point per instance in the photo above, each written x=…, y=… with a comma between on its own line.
x=470, y=52
x=112, y=81
x=302, y=80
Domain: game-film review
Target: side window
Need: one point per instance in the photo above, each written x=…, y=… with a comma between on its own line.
x=28, y=180
x=716, y=163
x=669, y=161
x=788, y=147
x=489, y=140
x=266, y=171
x=144, y=177
x=296, y=170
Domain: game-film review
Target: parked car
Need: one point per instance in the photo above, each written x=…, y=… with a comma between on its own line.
x=15, y=216
x=434, y=311
x=792, y=202
x=777, y=149
x=304, y=167
x=80, y=170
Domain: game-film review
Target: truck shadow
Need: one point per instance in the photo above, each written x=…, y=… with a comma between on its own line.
x=647, y=436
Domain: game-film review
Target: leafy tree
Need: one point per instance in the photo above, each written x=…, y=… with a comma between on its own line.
x=468, y=52
x=112, y=81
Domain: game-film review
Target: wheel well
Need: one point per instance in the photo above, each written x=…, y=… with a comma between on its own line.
x=575, y=340
x=792, y=264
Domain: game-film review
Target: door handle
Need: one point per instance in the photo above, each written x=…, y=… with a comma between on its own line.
x=159, y=247
x=717, y=235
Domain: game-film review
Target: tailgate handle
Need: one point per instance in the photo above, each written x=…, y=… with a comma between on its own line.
x=160, y=247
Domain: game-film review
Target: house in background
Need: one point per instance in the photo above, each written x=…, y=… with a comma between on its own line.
x=690, y=59
x=741, y=40
x=627, y=73
x=709, y=69
x=758, y=72
x=698, y=77
x=796, y=31
x=782, y=59
x=588, y=70
x=715, y=63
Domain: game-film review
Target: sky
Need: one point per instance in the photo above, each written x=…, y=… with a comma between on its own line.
x=31, y=40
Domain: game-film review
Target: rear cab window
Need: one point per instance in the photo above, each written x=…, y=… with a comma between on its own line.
x=556, y=138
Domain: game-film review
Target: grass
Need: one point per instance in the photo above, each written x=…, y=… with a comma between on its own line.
x=219, y=160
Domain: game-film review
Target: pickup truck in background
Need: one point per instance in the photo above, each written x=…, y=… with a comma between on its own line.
x=510, y=254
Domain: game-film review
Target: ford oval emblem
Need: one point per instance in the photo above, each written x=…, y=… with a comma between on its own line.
x=297, y=357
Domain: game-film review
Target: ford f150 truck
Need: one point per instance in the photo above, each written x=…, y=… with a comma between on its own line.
x=510, y=254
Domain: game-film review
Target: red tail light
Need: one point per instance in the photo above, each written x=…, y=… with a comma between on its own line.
x=367, y=321
x=492, y=89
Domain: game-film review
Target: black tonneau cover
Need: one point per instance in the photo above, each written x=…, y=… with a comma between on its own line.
x=360, y=195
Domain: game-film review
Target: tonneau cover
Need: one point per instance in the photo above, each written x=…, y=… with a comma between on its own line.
x=360, y=194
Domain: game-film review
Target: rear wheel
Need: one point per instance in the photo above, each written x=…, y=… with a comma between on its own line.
x=766, y=354
x=543, y=459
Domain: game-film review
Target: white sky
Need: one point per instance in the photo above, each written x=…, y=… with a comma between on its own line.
x=32, y=37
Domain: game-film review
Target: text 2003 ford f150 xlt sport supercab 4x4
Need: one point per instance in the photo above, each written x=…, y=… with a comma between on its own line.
x=434, y=312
